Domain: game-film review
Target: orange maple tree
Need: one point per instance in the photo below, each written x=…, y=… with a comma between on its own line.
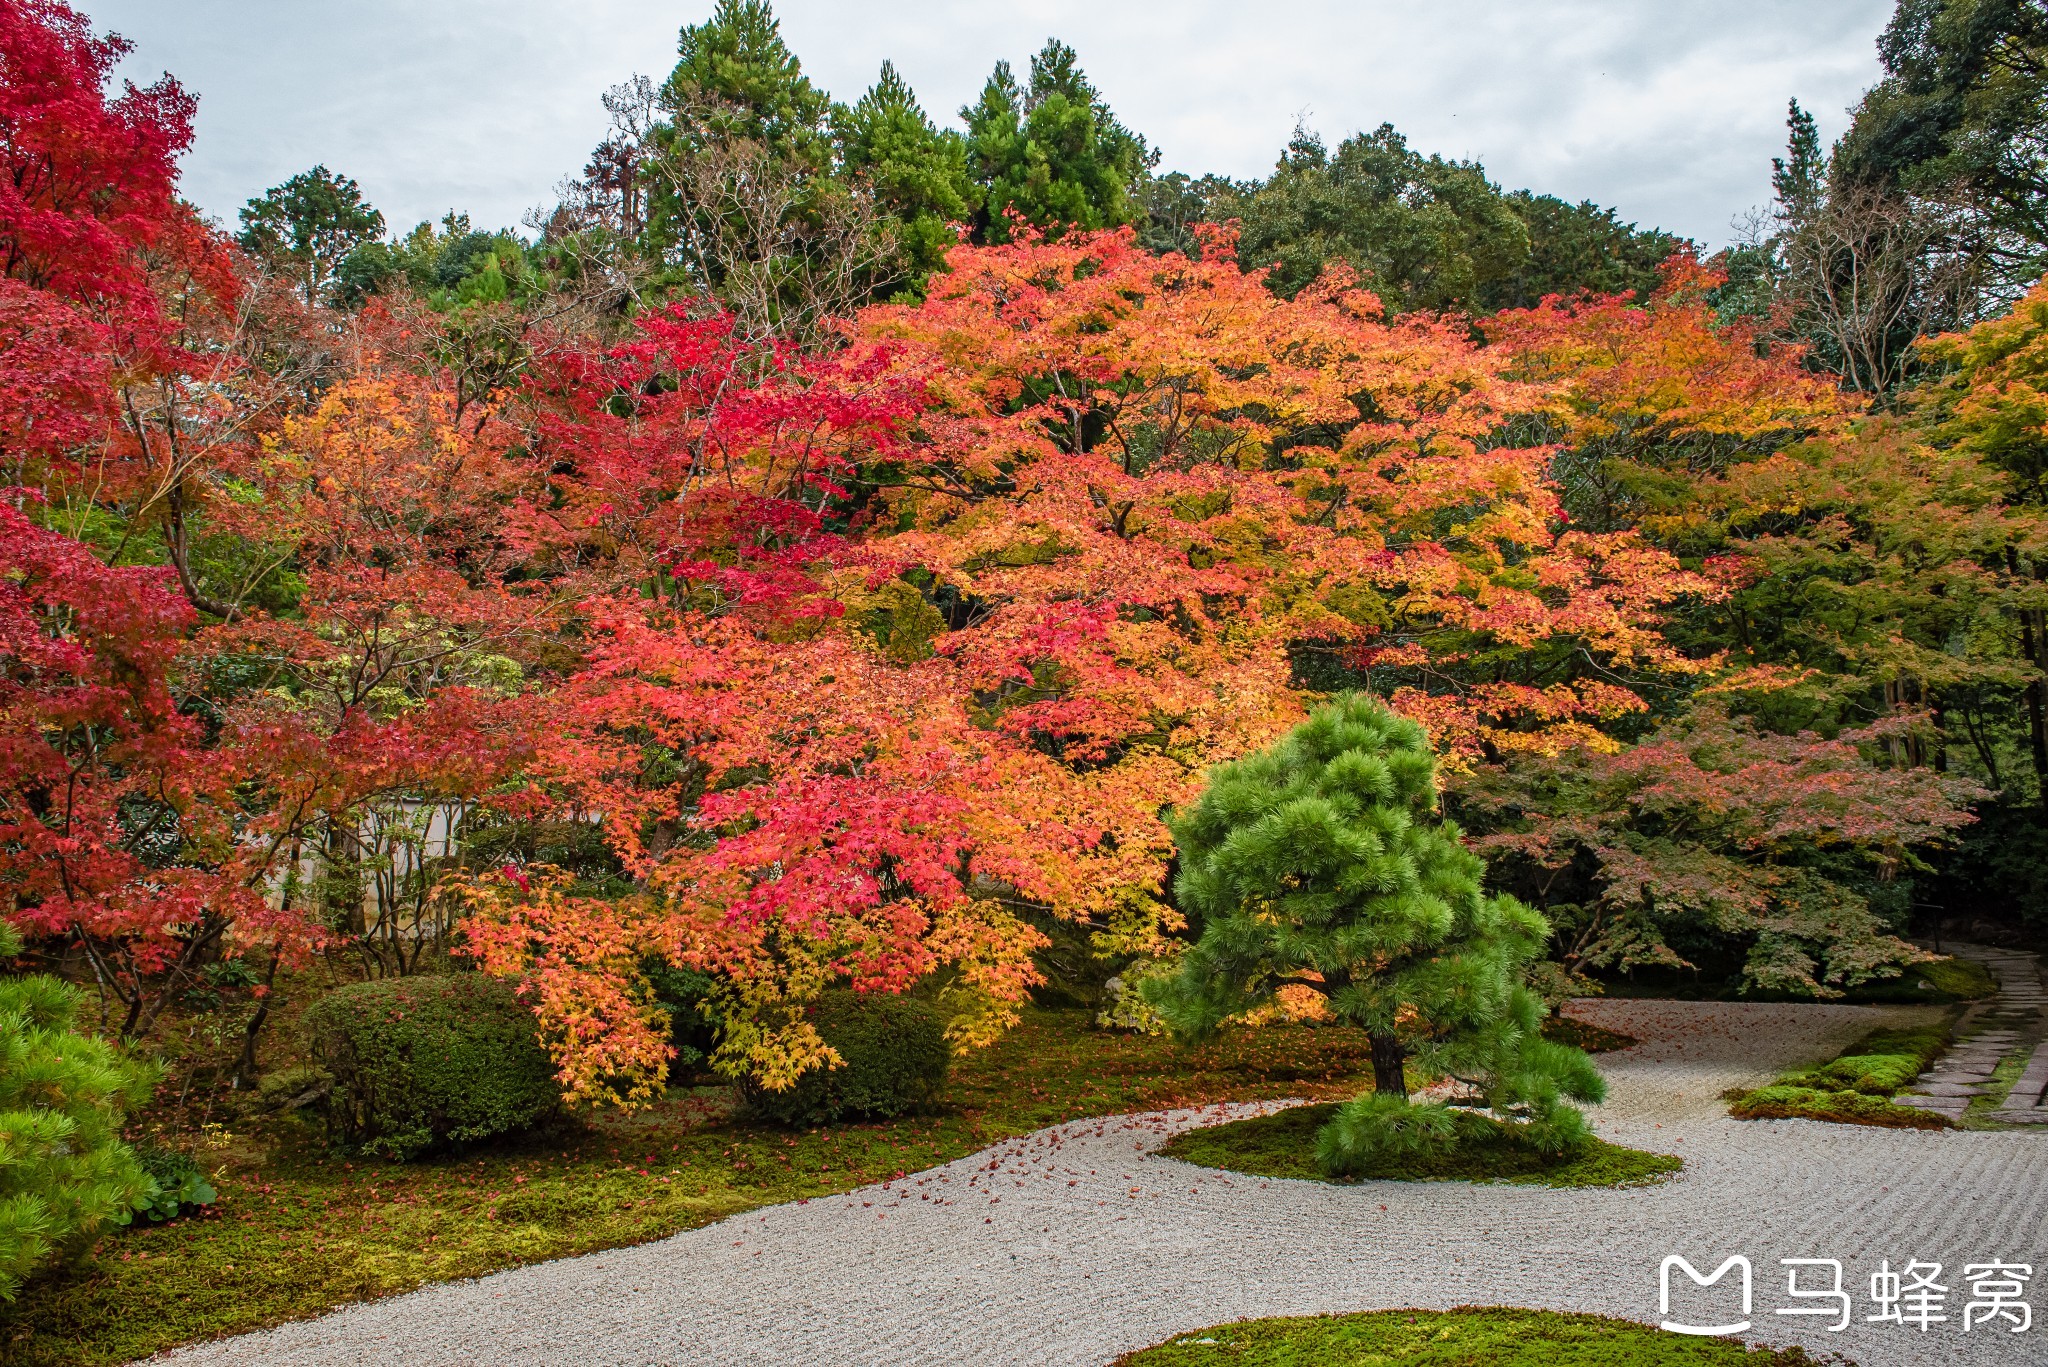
x=928, y=632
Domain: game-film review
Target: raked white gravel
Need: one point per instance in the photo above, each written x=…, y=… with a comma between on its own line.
x=1077, y=1243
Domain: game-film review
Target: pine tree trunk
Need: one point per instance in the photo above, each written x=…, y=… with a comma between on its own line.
x=1388, y=1055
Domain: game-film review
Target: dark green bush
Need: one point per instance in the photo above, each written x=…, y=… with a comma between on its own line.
x=895, y=1058
x=426, y=1063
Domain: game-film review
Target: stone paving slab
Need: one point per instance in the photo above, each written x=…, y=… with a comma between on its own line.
x=2009, y=1025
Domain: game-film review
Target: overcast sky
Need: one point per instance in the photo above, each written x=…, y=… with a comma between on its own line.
x=1669, y=110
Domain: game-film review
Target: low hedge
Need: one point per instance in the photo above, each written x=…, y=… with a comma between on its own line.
x=428, y=1063
x=894, y=1056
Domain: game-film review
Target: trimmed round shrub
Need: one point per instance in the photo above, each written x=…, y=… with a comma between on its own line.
x=429, y=1063
x=895, y=1059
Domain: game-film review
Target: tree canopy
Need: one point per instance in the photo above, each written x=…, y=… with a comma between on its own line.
x=1961, y=114
x=1428, y=233
x=309, y=225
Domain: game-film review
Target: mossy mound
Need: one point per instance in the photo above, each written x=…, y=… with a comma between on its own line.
x=1856, y=1088
x=1963, y=980
x=1779, y=1102
x=1284, y=1145
x=1464, y=1337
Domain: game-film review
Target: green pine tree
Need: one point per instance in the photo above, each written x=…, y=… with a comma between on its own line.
x=917, y=172
x=1800, y=176
x=735, y=77
x=1052, y=151
x=1321, y=861
x=744, y=201
x=65, y=1175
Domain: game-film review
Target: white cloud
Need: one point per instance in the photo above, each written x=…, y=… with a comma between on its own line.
x=1668, y=109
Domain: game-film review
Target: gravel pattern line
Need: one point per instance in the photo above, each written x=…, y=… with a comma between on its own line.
x=1077, y=1243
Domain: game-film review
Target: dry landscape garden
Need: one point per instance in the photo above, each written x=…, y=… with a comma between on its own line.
x=869, y=741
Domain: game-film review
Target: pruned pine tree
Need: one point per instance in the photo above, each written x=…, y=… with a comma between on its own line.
x=1321, y=861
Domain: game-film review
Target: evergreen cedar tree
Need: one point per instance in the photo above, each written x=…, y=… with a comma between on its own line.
x=1320, y=863
x=314, y=221
x=876, y=658
x=1047, y=152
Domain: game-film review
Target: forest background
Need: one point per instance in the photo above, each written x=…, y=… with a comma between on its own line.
x=822, y=547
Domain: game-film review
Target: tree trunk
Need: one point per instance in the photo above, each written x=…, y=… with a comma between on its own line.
x=1388, y=1054
x=2037, y=722
x=245, y=1064
x=2035, y=650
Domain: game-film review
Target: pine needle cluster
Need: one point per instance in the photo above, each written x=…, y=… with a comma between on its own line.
x=65, y=1175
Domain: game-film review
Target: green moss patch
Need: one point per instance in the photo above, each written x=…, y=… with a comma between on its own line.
x=1466, y=1337
x=1284, y=1145
x=1960, y=980
x=1856, y=1088
x=1778, y=1102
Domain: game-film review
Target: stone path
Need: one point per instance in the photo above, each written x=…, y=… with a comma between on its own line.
x=1067, y=1247
x=2009, y=1025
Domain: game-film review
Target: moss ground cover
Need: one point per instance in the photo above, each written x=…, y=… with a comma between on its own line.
x=299, y=1230
x=1978, y=1114
x=1284, y=1145
x=1466, y=1337
x=1856, y=1088
x=1959, y=979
